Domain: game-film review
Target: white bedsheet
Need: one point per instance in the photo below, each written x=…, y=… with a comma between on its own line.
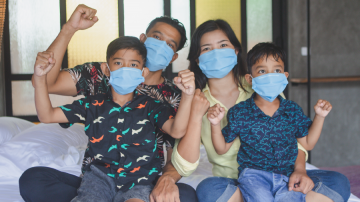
x=62, y=149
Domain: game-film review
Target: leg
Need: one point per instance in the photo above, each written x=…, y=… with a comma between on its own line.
x=312, y=196
x=134, y=200
x=331, y=184
x=236, y=197
x=216, y=189
x=95, y=186
x=282, y=193
x=256, y=185
x=139, y=193
x=187, y=193
x=43, y=184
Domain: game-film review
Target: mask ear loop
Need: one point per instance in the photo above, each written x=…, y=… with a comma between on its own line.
x=108, y=78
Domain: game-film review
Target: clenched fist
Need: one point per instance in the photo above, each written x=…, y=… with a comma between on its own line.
x=216, y=114
x=82, y=18
x=185, y=81
x=44, y=62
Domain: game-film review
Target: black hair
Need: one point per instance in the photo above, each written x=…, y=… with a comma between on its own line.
x=126, y=42
x=173, y=22
x=239, y=69
x=263, y=51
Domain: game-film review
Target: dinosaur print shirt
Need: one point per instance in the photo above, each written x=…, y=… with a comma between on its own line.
x=90, y=80
x=267, y=143
x=122, y=141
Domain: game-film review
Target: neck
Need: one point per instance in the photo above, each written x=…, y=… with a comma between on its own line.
x=121, y=99
x=223, y=85
x=154, y=78
x=259, y=101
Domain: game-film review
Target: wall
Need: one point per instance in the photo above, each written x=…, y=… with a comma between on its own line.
x=335, y=51
x=2, y=84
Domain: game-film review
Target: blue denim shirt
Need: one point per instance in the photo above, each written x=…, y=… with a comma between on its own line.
x=267, y=143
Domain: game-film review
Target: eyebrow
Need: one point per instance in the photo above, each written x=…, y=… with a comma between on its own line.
x=170, y=39
x=217, y=42
x=130, y=60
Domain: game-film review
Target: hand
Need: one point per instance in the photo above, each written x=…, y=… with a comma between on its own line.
x=165, y=190
x=322, y=108
x=185, y=81
x=215, y=114
x=44, y=62
x=82, y=18
x=200, y=104
x=299, y=181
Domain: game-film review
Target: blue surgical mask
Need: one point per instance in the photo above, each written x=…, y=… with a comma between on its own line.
x=159, y=54
x=218, y=62
x=269, y=86
x=125, y=79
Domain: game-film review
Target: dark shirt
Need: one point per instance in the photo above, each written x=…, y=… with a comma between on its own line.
x=267, y=143
x=90, y=80
x=122, y=141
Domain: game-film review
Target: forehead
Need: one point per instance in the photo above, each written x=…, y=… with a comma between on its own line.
x=166, y=30
x=269, y=60
x=213, y=37
x=127, y=54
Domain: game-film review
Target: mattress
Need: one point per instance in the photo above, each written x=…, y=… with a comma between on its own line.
x=24, y=145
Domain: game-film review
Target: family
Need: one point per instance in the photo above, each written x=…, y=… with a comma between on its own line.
x=256, y=139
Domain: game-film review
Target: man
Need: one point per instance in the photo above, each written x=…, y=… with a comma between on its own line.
x=163, y=38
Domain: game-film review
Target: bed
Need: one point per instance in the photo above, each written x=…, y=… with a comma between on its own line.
x=24, y=145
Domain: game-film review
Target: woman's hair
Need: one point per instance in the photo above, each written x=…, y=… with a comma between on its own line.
x=200, y=79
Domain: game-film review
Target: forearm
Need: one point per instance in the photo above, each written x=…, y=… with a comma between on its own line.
x=218, y=140
x=43, y=105
x=179, y=126
x=309, y=141
x=300, y=163
x=189, y=145
x=58, y=47
x=170, y=172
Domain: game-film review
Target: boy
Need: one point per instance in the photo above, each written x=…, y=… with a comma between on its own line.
x=120, y=124
x=268, y=127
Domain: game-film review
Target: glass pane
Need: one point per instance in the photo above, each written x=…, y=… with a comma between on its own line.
x=90, y=45
x=228, y=10
x=33, y=26
x=23, y=98
x=258, y=22
x=180, y=10
x=139, y=13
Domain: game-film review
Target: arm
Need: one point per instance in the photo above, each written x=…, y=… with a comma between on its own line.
x=45, y=111
x=299, y=181
x=176, y=127
x=60, y=82
x=322, y=109
x=215, y=115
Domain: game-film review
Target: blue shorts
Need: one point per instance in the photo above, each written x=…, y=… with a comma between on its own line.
x=258, y=185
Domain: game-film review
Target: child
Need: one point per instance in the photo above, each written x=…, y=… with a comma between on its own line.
x=269, y=127
x=120, y=125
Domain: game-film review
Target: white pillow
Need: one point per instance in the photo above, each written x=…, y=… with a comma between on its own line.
x=10, y=127
x=43, y=145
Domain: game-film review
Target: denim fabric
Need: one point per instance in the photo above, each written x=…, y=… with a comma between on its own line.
x=263, y=186
x=328, y=183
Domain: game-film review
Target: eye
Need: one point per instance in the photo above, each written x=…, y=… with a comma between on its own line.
x=118, y=63
x=156, y=37
x=278, y=71
x=223, y=45
x=171, y=46
x=133, y=65
x=261, y=71
x=205, y=49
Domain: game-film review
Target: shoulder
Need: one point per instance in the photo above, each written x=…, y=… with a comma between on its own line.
x=292, y=108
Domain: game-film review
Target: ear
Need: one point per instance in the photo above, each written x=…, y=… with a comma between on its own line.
x=236, y=51
x=142, y=38
x=145, y=72
x=286, y=74
x=175, y=56
x=197, y=61
x=105, y=69
x=248, y=78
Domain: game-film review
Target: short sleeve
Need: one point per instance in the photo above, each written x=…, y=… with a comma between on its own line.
x=161, y=114
x=89, y=79
x=302, y=122
x=229, y=130
x=75, y=112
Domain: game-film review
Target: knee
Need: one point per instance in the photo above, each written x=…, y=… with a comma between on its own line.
x=210, y=189
x=186, y=192
x=342, y=184
x=27, y=183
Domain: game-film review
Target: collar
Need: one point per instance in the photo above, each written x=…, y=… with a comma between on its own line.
x=257, y=111
x=109, y=96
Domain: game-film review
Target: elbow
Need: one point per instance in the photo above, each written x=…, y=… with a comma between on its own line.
x=43, y=119
x=220, y=152
x=178, y=134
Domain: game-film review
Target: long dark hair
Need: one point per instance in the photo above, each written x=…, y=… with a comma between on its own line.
x=200, y=79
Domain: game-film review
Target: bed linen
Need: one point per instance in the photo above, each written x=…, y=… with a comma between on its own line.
x=52, y=146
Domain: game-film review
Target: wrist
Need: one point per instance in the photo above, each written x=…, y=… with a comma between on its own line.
x=167, y=177
x=68, y=29
x=319, y=117
x=187, y=96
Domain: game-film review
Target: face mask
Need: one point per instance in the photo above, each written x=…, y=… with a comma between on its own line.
x=269, y=86
x=125, y=79
x=159, y=54
x=218, y=62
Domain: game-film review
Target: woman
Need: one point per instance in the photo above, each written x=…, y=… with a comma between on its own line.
x=222, y=82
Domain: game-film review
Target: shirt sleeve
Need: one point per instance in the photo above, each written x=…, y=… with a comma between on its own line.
x=161, y=114
x=75, y=112
x=302, y=122
x=229, y=131
x=182, y=166
x=89, y=79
